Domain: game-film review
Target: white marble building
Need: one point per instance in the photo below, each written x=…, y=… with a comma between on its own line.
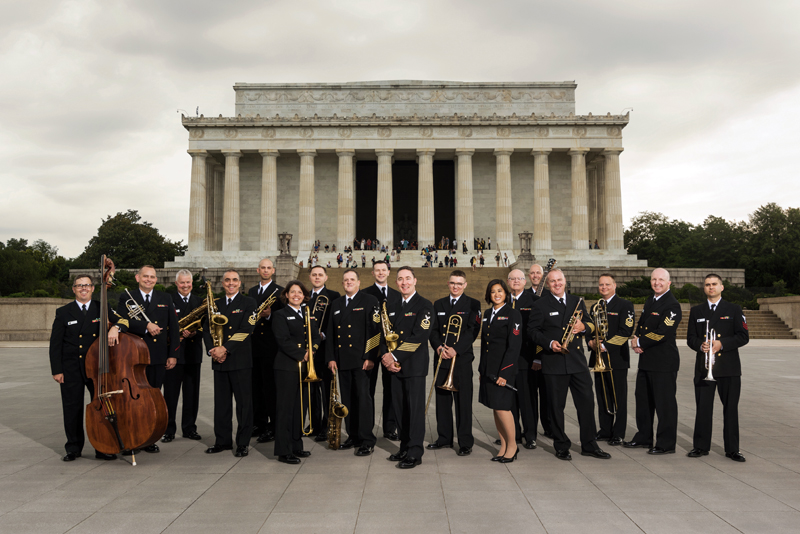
x=414, y=159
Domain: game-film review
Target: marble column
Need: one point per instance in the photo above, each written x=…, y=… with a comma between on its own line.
x=542, y=239
x=385, y=222
x=591, y=183
x=426, y=231
x=197, y=202
x=230, y=212
x=307, y=226
x=269, y=200
x=346, y=211
x=580, y=211
x=613, y=200
x=600, y=172
x=219, y=203
x=210, y=221
x=503, y=205
x=465, y=221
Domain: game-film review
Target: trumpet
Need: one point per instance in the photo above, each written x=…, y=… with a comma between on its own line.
x=568, y=336
x=266, y=304
x=135, y=310
x=453, y=329
x=710, y=356
x=388, y=334
x=310, y=377
x=600, y=314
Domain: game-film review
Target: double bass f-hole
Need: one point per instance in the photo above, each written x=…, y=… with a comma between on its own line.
x=127, y=382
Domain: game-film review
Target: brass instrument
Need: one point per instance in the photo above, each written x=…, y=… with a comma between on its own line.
x=135, y=310
x=336, y=412
x=216, y=321
x=710, y=356
x=267, y=303
x=321, y=305
x=194, y=319
x=568, y=336
x=310, y=377
x=388, y=334
x=453, y=328
x=600, y=314
x=551, y=263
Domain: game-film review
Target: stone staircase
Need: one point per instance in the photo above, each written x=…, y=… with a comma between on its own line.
x=761, y=324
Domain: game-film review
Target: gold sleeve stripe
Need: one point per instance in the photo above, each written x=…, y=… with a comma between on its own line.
x=124, y=322
x=617, y=340
x=669, y=322
x=654, y=336
x=591, y=327
x=373, y=342
x=238, y=337
x=408, y=347
x=538, y=349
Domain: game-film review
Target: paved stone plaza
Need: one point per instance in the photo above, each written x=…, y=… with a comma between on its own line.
x=181, y=489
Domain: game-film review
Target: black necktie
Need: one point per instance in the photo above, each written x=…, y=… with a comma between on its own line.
x=260, y=290
x=383, y=290
x=186, y=300
x=147, y=300
x=403, y=306
x=563, y=302
x=229, y=301
x=713, y=307
x=314, y=295
x=84, y=309
x=453, y=303
x=348, y=302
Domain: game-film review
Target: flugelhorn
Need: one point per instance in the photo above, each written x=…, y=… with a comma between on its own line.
x=266, y=304
x=711, y=335
x=568, y=336
x=600, y=315
x=310, y=377
x=453, y=332
x=135, y=310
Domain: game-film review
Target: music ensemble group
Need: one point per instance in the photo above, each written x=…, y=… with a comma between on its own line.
x=284, y=353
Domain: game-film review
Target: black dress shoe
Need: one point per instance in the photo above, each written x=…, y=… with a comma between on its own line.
x=530, y=444
x=598, y=437
x=597, y=453
x=266, y=437
x=398, y=456
x=506, y=460
x=241, y=451
x=217, y=448
x=348, y=444
x=735, y=456
x=364, y=451
x=103, y=456
x=322, y=436
x=391, y=436
x=496, y=458
x=289, y=459
x=71, y=456
x=435, y=446
x=697, y=453
x=167, y=438
x=464, y=451
x=635, y=445
x=151, y=448
x=302, y=454
x=659, y=450
x=615, y=442
x=193, y=435
x=563, y=455
x=409, y=463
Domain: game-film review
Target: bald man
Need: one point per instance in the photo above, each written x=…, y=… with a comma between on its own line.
x=659, y=360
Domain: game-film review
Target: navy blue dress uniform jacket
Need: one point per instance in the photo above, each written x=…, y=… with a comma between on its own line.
x=620, y=328
x=469, y=310
x=236, y=333
x=292, y=339
x=730, y=326
x=548, y=323
x=413, y=325
x=657, y=328
x=190, y=349
x=262, y=334
x=501, y=341
x=161, y=312
x=524, y=305
x=353, y=333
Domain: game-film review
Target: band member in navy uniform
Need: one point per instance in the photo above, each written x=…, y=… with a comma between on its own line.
x=381, y=291
x=549, y=321
x=408, y=364
x=354, y=332
x=659, y=361
x=186, y=374
x=456, y=304
x=501, y=341
x=75, y=328
x=320, y=391
x=264, y=350
x=536, y=383
x=616, y=357
x=730, y=327
x=292, y=337
x=232, y=364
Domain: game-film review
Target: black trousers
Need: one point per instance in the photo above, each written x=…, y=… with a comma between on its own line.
x=655, y=395
x=320, y=394
x=155, y=374
x=263, y=387
x=360, y=420
x=408, y=395
x=74, y=405
x=183, y=377
x=612, y=426
x=730, y=389
x=580, y=385
x=389, y=418
x=462, y=379
x=229, y=386
x=288, y=418
x=531, y=403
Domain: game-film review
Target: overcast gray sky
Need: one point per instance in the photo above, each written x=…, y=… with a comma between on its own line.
x=89, y=91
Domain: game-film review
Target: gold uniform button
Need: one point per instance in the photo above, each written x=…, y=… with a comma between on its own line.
x=340, y=346
x=154, y=340
x=351, y=345
x=80, y=356
x=94, y=335
x=348, y=326
x=80, y=347
x=339, y=326
x=401, y=331
x=80, y=335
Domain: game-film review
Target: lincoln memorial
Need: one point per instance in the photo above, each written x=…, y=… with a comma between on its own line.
x=413, y=160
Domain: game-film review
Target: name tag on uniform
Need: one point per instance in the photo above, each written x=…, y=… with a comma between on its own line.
x=391, y=314
x=485, y=319
x=291, y=318
x=442, y=313
x=72, y=323
x=701, y=320
x=177, y=310
x=553, y=313
x=337, y=312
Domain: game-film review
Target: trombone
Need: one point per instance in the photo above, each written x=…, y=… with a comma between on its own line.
x=320, y=306
x=600, y=314
x=310, y=377
x=135, y=310
x=453, y=329
x=710, y=356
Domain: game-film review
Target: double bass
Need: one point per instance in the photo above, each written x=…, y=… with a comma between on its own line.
x=125, y=413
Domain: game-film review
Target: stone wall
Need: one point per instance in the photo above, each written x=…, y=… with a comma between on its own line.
x=28, y=319
x=787, y=308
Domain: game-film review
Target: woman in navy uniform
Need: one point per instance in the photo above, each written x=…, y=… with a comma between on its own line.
x=501, y=341
x=288, y=325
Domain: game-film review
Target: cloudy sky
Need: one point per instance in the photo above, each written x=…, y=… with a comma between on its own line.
x=90, y=89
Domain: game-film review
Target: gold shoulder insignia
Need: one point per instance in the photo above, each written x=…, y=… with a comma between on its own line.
x=408, y=347
x=376, y=316
x=668, y=322
x=372, y=343
x=239, y=337
x=538, y=349
x=629, y=321
x=253, y=318
x=426, y=322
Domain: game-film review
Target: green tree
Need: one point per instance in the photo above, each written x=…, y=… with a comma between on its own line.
x=21, y=272
x=130, y=242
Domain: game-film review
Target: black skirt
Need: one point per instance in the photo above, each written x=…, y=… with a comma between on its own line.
x=493, y=396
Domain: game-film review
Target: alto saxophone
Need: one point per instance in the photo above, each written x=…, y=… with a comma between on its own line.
x=216, y=321
x=389, y=335
x=336, y=412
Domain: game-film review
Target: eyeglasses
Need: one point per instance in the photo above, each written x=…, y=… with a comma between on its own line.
x=83, y=286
